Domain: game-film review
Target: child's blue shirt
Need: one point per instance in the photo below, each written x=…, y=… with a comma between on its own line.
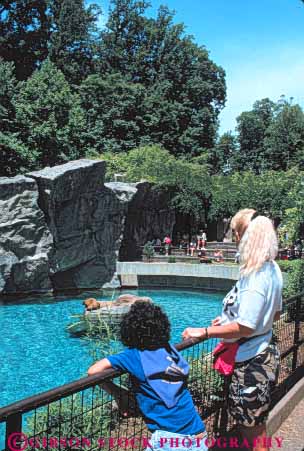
x=181, y=418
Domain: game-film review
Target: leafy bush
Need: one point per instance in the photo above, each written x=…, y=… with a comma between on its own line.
x=290, y=226
x=295, y=276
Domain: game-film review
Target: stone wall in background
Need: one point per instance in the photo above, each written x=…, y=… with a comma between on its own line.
x=62, y=228
x=149, y=216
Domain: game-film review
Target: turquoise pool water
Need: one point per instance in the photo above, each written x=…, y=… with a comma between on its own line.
x=37, y=354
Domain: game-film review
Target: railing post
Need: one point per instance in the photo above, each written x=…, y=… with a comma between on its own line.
x=296, y=336
x=13, y=435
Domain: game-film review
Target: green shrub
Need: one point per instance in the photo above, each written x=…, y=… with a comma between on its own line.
x=171, y=259
x=76, y=416
x=295, y=276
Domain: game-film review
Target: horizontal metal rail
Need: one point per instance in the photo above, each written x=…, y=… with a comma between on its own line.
x=71, y=388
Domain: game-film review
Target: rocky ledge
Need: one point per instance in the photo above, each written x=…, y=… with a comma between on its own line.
x=63, y=228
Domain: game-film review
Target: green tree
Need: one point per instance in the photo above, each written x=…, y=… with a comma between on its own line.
x=265, y=109
x=284, y=140
x=151, y=163
x=192, y=191
x=251, y=128
x=293, y=216
x=220, y=157
x=123, y=40
x=269, y=193
x=14, y=155
x=185, y=89
x=8, y=87
x=49, y=118
x=113, y=108
x=73, y=38
x=24, y=33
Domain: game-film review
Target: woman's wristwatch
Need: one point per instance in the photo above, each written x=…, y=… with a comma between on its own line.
x=206, y=333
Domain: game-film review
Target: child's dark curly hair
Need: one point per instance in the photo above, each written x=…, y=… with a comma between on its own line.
x=145, y=326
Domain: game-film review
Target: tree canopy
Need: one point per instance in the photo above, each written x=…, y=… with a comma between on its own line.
x=49, y=117
x=73, y=41
x=24, y=34
x=141, y=80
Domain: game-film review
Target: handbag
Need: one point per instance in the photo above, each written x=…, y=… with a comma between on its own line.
x=224, y=355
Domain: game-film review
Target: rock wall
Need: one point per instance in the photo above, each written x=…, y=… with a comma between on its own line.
x=86, y=221
x=25, y=240
x=63, y=228
x=149, y=216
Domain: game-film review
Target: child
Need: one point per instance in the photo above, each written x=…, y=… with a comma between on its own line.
x=218, y=256
x=159, y=377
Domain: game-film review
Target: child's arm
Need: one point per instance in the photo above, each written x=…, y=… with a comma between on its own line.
x=109, y=386
x=99, y=366
x=122, y=396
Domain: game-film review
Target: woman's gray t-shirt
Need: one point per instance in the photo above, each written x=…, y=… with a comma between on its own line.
x=253, y=302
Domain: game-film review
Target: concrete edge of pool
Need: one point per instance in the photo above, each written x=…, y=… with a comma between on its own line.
x=177, y=275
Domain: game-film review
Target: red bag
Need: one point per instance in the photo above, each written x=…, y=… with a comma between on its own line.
x=224, y=354
x=224, y=357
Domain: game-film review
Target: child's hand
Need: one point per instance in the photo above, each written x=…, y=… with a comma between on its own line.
x=216, y=321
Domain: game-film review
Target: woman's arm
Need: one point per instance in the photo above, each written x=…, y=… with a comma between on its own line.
x=232, y=330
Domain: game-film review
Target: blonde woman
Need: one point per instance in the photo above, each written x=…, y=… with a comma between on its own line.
x=249, y=310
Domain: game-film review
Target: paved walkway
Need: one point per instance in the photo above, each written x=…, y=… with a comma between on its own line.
x=292, y=430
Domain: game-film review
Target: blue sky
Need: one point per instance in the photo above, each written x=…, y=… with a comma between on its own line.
x=259, y=43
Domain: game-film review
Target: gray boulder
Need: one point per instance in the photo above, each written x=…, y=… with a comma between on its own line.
x=86, y=220
x=25, y=240
x=149, y=216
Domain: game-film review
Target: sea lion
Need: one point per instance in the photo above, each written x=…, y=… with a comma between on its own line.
x=92, y=304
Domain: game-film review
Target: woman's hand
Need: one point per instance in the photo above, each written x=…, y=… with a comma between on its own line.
x=232, y=330
x=193, y=332
x=216, y=321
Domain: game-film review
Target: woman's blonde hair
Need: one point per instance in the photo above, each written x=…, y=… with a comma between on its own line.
x=258, y=243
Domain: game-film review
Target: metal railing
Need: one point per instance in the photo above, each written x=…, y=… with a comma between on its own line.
x=209, y=254
x=186, y=254
x=82, y=415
